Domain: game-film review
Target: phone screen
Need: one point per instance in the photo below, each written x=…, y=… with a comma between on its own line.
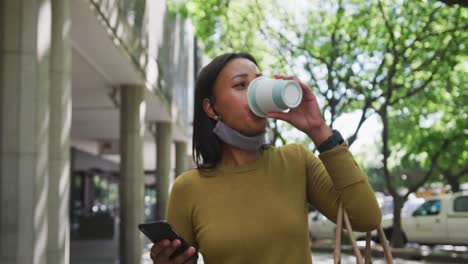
x=160, y=230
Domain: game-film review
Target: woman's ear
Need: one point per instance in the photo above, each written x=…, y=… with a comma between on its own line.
x=209, y=109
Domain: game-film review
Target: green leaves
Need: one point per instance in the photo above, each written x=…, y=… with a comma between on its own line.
x=205, y=14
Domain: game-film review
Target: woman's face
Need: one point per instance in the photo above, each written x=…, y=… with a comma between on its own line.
x=230, y=92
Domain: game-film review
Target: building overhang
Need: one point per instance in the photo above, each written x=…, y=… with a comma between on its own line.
x=99, y=67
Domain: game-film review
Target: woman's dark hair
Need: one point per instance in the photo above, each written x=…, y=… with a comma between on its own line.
x=207, y=151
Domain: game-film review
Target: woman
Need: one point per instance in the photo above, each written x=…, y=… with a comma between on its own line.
x=246, y=202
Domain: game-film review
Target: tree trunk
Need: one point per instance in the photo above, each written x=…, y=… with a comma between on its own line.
x=397, y=239
x=452, y=180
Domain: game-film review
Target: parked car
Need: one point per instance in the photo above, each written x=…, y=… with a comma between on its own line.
x=439, y=220
x=322, y=228
x=387, y=219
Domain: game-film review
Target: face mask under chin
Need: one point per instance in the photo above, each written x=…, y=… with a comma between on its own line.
x=234, y=138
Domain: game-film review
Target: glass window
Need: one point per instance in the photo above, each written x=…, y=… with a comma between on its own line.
x=428, y=208
x=461, y=204
x=150, y=204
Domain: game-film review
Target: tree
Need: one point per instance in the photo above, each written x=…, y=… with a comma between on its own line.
x=415, y=84
x=454, y=120
x=432, y=119
x=373, y=57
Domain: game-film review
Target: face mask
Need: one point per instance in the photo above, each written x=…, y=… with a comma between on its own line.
x=236, y=139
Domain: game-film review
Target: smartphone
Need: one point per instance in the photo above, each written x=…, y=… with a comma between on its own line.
x=160, y=230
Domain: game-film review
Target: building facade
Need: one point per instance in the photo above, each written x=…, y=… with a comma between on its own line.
x=96, y=105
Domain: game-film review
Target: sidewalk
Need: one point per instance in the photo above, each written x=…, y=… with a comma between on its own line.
x=93, y=252
x=103, y=252
x=106, y=252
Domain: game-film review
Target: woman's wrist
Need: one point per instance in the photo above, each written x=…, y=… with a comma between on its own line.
x=320, y=134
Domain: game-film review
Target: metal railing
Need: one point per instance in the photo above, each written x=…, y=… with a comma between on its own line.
x=127, y=23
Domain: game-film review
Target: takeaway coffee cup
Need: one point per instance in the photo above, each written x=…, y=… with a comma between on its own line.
x=266, y=95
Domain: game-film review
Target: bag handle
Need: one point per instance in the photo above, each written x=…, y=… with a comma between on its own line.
x=367, y=253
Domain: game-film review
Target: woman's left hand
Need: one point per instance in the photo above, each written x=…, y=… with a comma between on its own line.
x=305, y=117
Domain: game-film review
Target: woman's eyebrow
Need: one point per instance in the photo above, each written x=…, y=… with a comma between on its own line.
x=245, y=75
x=240, y=75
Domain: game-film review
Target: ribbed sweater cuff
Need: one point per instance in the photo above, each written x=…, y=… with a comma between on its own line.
x=342, y=167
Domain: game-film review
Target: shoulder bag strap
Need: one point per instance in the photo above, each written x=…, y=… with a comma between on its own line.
x=339, y=227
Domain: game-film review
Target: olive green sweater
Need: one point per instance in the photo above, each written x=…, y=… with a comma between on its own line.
x=256, y=213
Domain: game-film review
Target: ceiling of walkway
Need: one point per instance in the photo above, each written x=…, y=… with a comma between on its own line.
x=98, y=68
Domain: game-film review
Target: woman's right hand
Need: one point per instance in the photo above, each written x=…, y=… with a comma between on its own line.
x=162, y=251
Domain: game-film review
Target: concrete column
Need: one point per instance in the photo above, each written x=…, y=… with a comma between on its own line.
x=163, y=163
x=58, y=247
x=24, y=130
x=88, y=193
x=181, y=157
x=132, y=116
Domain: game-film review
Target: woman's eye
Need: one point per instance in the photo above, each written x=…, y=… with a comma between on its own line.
x=240, y=85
